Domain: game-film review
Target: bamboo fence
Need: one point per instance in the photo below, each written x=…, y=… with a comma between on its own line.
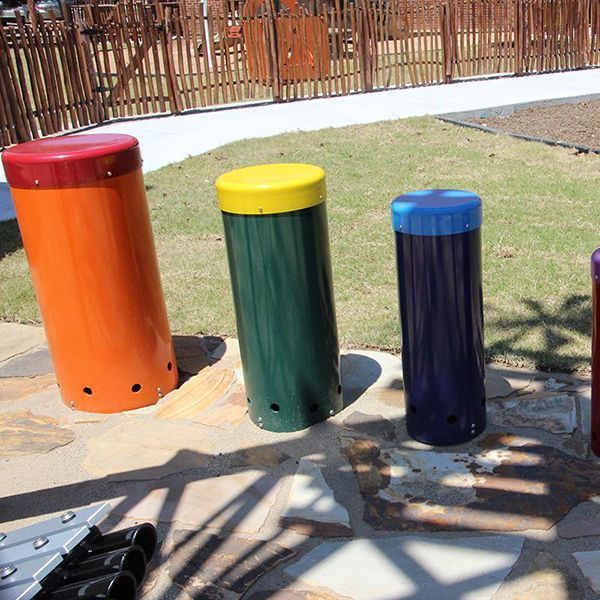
x=104, y=62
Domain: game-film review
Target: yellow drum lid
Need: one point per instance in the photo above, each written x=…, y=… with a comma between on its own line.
x=271, y=189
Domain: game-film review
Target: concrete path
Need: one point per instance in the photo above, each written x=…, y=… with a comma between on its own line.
x=165, y=140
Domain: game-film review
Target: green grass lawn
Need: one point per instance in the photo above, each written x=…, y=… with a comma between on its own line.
x=541, y=223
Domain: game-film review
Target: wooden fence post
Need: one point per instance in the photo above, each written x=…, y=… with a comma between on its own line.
x=164, y=36
x=91, y=80
x=271, y=47
x=33, y=16
x=13, y=108
x=365, y=46
x=448, y=41
x=519, y=36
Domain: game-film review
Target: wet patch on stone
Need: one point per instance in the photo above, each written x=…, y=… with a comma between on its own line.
x=312, y=508
x=372, y=425
x=556, y=414
x=494, y=487
x=137, y=449
x=211, y=566
x=197, y=394
x=25, y=433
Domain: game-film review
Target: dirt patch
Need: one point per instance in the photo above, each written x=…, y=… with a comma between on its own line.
x=577, y=124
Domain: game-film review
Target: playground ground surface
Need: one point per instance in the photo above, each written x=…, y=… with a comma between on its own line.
x=538, y=234
x=577, y=124
x=350, y=509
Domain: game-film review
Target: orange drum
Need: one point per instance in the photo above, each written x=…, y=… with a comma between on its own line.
x=82, y=210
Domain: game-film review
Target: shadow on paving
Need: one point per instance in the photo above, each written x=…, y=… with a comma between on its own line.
x=529, y=484
x=556, y=326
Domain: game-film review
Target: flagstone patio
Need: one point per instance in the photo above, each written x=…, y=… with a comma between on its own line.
x=351, y=508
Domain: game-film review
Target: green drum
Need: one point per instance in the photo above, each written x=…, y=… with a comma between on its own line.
x=275, y=222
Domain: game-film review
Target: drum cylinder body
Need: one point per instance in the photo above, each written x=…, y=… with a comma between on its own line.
x=438, y=251
x=596, y=352
x=82, y=211
x=275, y=223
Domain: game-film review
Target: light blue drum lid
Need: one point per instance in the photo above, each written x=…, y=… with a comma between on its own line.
x=437, y=212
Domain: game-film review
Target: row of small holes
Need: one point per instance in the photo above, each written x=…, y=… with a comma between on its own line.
x=275, y=407
x=135, y=388
x=451, y=419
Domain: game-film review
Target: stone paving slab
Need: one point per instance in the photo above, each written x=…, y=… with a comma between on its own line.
x=312, y=508
x=498, y=484
x=197, y=394
x=368, y=368
x=16, y=339
x=210, y=566
x=37, y=362
x=583, y=521
x=238, y=502
x=544, y=579
x=582, y=528
x=229, y=414
x=589, y=563
x=147, y=449
x=25, y=433
x=410, y=567
x=296, y=595
x=18, y=388
x=554, y=413
x=372, y=425
x=584, y=397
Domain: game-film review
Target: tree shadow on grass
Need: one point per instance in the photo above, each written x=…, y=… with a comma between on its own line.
x=556, y=327
x=10, y=238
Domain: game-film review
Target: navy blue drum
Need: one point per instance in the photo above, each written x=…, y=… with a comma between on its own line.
x=438, y=252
